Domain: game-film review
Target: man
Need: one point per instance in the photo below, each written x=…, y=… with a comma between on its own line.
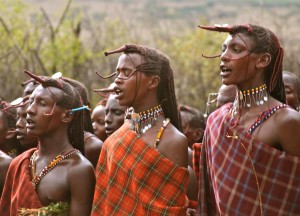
x=292, y=89
x=114, y=115
x=250, y=152
x=26, y=140
x=55, y=174
x=142, y=169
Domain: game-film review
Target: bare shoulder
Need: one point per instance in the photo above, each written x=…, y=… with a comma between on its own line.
x=79, y=165
x=174, y=145
x=5, y=159
x=93, y=146
x=288, y=128
x=93, y=143
x=81, y=179
x=287, y=118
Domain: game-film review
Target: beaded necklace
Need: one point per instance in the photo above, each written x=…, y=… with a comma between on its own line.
x=143, y=121
x=249, y=98
x=161, y=130
x=256, y=96
x=32, y=165
x=264, y=116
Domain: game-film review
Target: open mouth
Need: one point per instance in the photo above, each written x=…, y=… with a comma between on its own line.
x=20, y=135
x=117, y=91
x=224, y=70
x=30, y=124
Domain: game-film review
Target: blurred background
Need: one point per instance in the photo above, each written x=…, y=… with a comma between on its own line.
x=71, y=36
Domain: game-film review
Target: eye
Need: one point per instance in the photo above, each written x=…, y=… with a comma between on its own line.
x=237, y=50
x=43, y=104
x=127, y=72
x=119, y=112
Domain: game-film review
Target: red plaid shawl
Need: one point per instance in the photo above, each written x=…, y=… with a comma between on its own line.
x=243, y=176
x=196, y=158
x=18, y=191
x=133, y=178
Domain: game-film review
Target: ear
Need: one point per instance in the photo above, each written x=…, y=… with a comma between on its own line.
x=264, y=60
x=154, y=82
x=10, y=133
x=67, y=117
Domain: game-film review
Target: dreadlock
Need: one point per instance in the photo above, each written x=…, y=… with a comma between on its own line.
x=265, y=42
x=70, y=100
x=157, y=63
x=87, y=121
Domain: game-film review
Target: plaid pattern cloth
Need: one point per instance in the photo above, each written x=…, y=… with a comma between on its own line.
x=18, y=191
x=243, y=176
x=196, y=158
x=133, y=178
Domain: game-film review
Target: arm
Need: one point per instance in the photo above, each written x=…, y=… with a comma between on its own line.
x=289, y=132
x=82, y=185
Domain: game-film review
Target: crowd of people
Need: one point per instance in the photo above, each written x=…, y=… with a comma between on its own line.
x=140, y=152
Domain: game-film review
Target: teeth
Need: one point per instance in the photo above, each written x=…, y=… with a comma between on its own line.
x=117, y=91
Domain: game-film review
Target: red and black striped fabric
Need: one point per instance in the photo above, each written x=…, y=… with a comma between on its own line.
x=18, y=190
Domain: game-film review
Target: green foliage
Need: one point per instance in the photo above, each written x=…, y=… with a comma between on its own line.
x=55, y=209
x=74, y=41
x=195, y=76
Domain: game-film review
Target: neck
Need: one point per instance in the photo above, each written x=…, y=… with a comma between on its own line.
x=54, y=144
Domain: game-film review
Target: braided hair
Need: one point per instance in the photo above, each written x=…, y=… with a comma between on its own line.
x=265, y=42
x=70, y=100
x=157, y=63
x=84, y=100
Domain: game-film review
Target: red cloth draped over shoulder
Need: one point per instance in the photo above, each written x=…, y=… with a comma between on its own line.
x=133, y=178
x=18, y=191
x=243, y=176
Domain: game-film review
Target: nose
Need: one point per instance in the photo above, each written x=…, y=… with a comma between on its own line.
x=224, y=56
x=20, y=123
x=108, y=118
x=30, y=109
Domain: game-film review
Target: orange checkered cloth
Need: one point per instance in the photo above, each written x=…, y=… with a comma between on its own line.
x=18, y=190
x=133, y=178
